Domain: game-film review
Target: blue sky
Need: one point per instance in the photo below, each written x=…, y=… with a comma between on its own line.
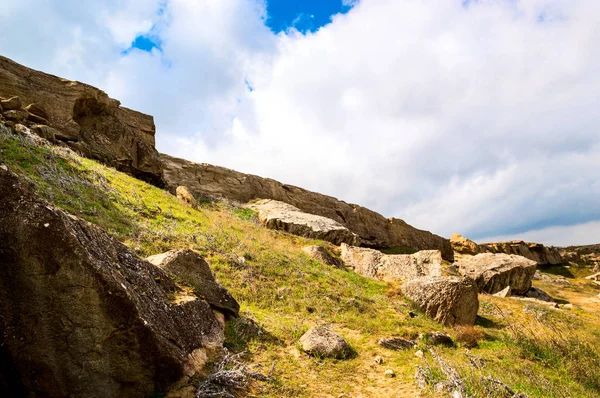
x=305, y=15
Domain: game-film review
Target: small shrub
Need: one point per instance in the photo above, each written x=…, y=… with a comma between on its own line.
x=468, y=336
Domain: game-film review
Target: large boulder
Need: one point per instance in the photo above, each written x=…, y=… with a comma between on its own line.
x=494, y=272
x=321, y=341
x=81, y=315
x=462, y=245
x=449, y=300
x=374, y=230
x=392, y=267
x=191, y=268
x=91, y=122
x=284, y=217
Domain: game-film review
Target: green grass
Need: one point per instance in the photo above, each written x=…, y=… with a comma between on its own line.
x=283, y=292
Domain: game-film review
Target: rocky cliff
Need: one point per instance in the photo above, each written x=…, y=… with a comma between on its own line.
x=543, y=255
x=81, y=117
x=374, y=230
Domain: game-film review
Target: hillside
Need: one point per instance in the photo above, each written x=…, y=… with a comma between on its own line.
x=515, y=346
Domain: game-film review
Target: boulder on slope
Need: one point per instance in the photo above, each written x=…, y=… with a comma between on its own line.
x=321, y=341
x=392, y=267
x=494, y=272
x=81, y=315
x=322, y=255
x=449, y=300
x=284, y=217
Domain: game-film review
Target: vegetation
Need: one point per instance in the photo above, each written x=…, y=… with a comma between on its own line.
x=515, y=345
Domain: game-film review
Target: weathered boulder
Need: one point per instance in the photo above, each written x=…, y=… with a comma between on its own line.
x=81, y=315
x=449, y=300
x=543, y=255
x=373, y=229
x=539, y=294
x=396, y=343
x=191, y=268
x=184, y=195
x=323, y=342
x=102, y=129
x=439, y=338
x=494, y=272
x=284, y=217
x=462, y=245
x=322, y=255
x=17, y=116
x=392, y=267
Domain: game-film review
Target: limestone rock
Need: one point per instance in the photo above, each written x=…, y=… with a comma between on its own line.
x=190, y=267
x=185, y=197
x=392, y=267
x=110, y=133
x=389, y=373
x=594, y=277
x=284, y=217
x=321, y=254
x=537, y=252
x=323, y=342
x=379, y=360
x=396, y=343
x=17, y=116
x=81, y=315
x=11, y=104
x=439, y=338
x=462, y=245
x=538, y=294
x=373, y=229
x=494, y=272
x=449, y=300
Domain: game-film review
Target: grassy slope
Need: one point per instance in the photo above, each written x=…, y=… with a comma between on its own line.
x=539, y=351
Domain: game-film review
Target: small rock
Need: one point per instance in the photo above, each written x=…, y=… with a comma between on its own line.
x=419, y=354
x=438, y=338
x=595, y=277
x=17, y=116
x=389, y=373
x=185, y=196
x=503, y=293
x=379, y=360
x=13, y=103
x=568, y=306
x=321, y=341
x=396, y=343
x=538, y=294
x=561, y=281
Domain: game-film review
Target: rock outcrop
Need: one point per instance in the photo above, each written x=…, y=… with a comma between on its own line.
x=81, y=315
x=191, y=268
x=494, y=272
x=284, y=217
x=392, y=267
x=374, y=230
x=542, y=255
x=83, y=118
x=321, y=341
x=449, y=300
x=321, y=254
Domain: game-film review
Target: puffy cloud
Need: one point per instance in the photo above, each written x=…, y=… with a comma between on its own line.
x=478, y=117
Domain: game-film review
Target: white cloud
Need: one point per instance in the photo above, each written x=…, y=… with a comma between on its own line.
x=479, y=119
x=574, y=235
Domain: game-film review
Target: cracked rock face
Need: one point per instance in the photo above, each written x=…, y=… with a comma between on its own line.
x=84, y=119
x=392, y=267
x=494, y=272
x=81, y=315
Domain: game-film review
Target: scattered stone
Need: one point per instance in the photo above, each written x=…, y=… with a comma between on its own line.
x=561, y=280
x=396, y=343
x=538, y=294
x=594, y=277
x=504, y=292
x=190, y=267
x=11, y=104
x=389, y=373
x=322, y=255
x=185, y=197
x=494, y=272
x=419, y=354
x=96, y=317
x=284, y=217
x=449, y=300
x=567, y=306
x=439, y=338
x=379, y=360
x=321, y=341
x=392, y=267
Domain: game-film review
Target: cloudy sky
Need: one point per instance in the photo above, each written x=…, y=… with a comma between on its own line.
x=474, y=116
